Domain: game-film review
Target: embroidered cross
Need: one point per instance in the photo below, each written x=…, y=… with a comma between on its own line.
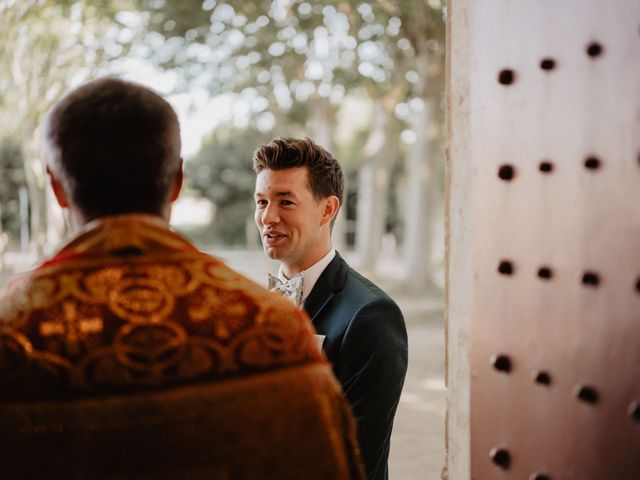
x=71, y=326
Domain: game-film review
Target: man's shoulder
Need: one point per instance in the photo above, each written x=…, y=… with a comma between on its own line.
x=357, y=298
x=13, y=296
x=362, y=289
x=79, y=316
x=172, y=274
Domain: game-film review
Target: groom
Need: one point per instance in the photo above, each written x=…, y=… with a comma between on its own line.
x=299, y=189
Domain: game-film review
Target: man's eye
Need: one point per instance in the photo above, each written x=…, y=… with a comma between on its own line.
x=261, y=202
x=286, y=202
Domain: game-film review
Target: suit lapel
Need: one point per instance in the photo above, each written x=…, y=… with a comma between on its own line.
x=331, y=281
x=318, y=298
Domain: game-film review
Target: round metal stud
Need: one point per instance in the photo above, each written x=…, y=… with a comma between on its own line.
x=634, y=411
x=505, y=267
x=587, y=394
x=547, y=64
x=590, y=279
x=542, y=377
x=506, y=172
x=592, y=163
x=501, y=362
x=539, y=476
x=594, y=49
x=501, y=457
x=545, y=273
x=506, y=76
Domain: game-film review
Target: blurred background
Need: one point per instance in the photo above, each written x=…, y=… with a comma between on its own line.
x=365, y=79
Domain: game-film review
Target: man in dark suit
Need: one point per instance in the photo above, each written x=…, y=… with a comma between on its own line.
x=299, y=189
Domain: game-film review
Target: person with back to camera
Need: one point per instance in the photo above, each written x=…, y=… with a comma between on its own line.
x=299, y=189
x=131, y=354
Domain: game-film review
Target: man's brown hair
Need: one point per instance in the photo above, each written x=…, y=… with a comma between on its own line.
x=325, y=174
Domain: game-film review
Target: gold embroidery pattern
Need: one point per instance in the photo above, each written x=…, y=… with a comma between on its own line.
x=15, y=350
x=141, y=300
x=72, y=323
x=24, y=370
x=220, y=313
x=150, y=348
x=159, y=320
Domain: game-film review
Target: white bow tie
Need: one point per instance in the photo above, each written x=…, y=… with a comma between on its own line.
x=292, y=288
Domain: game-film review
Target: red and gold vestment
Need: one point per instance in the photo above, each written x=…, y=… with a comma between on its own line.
x=128, y=308
x=130, y=303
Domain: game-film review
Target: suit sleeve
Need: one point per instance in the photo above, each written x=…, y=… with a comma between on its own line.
x=373, y=364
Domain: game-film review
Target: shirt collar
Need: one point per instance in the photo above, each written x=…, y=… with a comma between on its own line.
x=311, y=275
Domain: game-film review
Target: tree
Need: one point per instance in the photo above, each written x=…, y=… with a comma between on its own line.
x=424, y=28
x=222, y=172
x=418, y=54
x=49, y=46
x=303, y=58
x=13, y=179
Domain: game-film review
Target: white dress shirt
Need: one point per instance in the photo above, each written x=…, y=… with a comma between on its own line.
x=311, y=275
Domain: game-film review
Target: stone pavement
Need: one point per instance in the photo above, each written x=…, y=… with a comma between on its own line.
x=417, y=442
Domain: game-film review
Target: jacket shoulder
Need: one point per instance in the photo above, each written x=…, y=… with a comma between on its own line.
x=365, y=292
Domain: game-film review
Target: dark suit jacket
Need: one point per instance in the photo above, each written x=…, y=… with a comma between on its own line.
x=366, y=341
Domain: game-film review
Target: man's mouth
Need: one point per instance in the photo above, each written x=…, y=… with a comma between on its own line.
x=272, y=238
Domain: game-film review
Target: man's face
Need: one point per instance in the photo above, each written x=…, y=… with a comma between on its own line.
x=289, y=218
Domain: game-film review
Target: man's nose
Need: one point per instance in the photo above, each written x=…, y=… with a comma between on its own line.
x=270, y=215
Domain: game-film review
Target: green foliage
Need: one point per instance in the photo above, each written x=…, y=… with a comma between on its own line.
x=49, y=45
x=290, y=52
x=13, y=178
x=304, y=58
x=222, y=172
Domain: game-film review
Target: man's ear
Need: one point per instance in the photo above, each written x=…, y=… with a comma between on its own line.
x=58, y=191
x=331, y=205
x=177, y=183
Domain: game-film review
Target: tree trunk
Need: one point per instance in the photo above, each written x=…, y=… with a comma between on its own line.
x=56, y=228
x=322, y=127
x=422, y=25
x=423, y=200
x=322, y=122
x=36, y=184
x=373, y=186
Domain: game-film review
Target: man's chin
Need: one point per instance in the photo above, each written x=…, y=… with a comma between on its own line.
x=272, y=252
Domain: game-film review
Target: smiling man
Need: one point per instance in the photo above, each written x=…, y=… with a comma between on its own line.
x=299, y=189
